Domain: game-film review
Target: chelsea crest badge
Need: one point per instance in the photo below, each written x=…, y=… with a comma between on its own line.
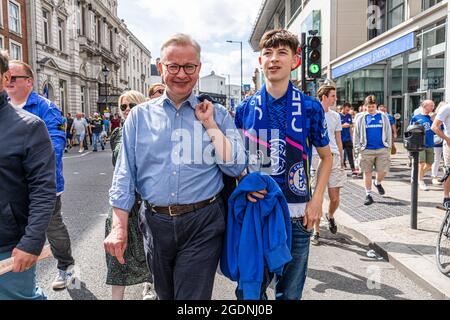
x=297, y=179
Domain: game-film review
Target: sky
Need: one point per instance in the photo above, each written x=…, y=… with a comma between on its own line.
x=210, y=22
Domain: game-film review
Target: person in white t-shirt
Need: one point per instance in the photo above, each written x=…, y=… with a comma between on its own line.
x=79, y=128
x=443, y=117
x=327, y=97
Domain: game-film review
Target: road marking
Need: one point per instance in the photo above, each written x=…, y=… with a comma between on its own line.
x=76, y=157
x=102, y=174
x=76, y=173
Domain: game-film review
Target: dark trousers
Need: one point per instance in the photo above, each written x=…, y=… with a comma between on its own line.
x=348, y=149
x=59, y=239
x=186, y=252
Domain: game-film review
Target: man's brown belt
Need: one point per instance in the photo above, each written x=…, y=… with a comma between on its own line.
x=178, y=210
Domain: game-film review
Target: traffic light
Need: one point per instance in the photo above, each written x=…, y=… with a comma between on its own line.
x=314, y=65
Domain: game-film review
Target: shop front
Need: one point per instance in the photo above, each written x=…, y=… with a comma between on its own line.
x=401, y=73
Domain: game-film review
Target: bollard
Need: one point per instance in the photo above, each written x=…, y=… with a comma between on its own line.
x=414, y=190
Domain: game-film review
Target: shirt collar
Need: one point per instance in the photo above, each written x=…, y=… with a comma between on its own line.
x=191, y=100
x=32, y=99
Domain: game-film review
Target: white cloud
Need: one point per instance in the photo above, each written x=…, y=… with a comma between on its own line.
x=210, y=22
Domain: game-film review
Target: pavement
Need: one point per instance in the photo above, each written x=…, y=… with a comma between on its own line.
x=385, y=225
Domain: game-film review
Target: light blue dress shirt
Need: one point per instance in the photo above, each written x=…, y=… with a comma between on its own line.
x=168, y=157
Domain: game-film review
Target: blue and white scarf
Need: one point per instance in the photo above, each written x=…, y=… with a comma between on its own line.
x=296, y=188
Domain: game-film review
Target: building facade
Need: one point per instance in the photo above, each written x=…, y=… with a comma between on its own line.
x=81, y=50
x=394, y=49
x=13, y=29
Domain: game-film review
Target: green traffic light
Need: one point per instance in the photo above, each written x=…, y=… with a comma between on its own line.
x=314, y=68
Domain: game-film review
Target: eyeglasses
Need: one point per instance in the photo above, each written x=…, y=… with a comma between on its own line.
x=124, y=107
x=160, y=91
x=189, y=69
x=14, y=78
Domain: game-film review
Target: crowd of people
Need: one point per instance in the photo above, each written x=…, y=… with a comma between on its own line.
x=195, y=184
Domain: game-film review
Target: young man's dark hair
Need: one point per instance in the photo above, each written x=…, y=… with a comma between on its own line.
x=346, y=104
x=370, y=100
x=278, y=38
x=325, y=91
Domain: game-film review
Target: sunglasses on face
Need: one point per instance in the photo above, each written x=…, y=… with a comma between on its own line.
x=160, y=91
x=14, y=78
x=124, y=107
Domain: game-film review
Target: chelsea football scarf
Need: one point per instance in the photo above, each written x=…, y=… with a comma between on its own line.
x=296, y=188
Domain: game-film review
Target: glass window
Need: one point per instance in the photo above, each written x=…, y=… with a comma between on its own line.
x=83, y=107
x=2, y=45
x=376, y=18
x=427, y=4
x=14, y=17
x=61, y=32
x=396, y=13
x=295, y=5
x=46, y=25
x=16, y=51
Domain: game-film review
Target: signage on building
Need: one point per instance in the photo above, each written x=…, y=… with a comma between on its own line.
x=389, y=50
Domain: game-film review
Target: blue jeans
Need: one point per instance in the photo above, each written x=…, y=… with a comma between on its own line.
x=95, y=137
x=19, y=286
x=289, y=286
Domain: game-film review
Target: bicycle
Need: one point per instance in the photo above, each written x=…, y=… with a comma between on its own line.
x=443, y=240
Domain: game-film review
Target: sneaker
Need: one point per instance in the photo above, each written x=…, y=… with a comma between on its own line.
x=315, y=239
x=62, y=279
x=149, y=293
x=446, y=203
x=331, y=224
x=436, y=182
x=423, y=186
x=80, y=151
x=354, y=174
x=94, y=150
x=379, y=188
x=369, y=200
x=103, y=147
x=65, y=150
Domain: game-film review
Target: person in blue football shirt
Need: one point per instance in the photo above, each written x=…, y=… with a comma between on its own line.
x=346, y=136
x=280, y=125
x=382, y=108
x=20, y=91
x=426, y=157
x=373, y=140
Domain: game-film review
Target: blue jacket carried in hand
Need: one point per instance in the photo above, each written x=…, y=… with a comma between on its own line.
x=258, y=234
x=50, y=114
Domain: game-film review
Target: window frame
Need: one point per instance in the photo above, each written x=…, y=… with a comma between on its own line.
x=18, y=44
x=19, y=17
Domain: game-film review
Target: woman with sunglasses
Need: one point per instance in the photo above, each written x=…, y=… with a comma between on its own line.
x=135, y=269
x=156, y=90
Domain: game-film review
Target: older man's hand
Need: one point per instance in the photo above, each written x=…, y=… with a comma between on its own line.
x=22, y=260
x=205, y=114
x=116, y=243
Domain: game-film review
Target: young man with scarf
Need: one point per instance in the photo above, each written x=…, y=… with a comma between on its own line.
x=280, y=125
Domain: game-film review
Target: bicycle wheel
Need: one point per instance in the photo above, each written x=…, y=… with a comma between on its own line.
x=443, y=245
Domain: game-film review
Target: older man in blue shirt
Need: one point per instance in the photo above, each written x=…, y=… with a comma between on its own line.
x=173, y=154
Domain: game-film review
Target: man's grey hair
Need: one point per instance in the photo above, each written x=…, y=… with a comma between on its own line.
x=4, y=61
x=180, y=39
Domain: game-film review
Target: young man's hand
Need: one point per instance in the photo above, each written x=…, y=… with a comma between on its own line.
x=258, y=195
x=313, y=213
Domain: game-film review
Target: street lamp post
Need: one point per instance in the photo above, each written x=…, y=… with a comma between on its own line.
x=242, y=84
x=105, y=71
